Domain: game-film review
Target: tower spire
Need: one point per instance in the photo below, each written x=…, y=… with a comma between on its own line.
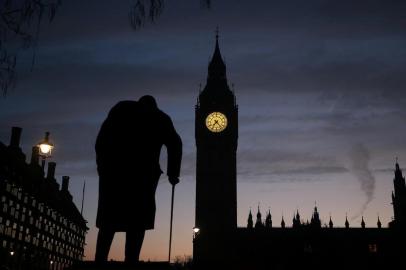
x=217, y=68
x=250, y=222
x=398, y=171
x=296, y=219
x=379, y=223
x=399, y=196
x=258, y=223
x=268, y=220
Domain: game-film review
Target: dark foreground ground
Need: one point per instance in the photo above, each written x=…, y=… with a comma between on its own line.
x=123, y=266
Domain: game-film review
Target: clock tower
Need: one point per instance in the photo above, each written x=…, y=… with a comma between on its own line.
x=216, y=132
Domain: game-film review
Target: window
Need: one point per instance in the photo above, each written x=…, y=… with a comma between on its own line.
x=373, y=248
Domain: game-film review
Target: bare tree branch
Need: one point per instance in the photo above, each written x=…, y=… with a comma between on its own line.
x=143, y=11
x=20, y=22
x=206, y=3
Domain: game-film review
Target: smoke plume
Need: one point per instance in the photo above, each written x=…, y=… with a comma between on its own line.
x=360, y=159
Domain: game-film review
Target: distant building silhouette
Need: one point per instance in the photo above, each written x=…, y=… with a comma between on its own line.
x=40, y=226
x=304, y=245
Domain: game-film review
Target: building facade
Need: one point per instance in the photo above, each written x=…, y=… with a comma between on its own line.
x=40, y=226
x=260, y=245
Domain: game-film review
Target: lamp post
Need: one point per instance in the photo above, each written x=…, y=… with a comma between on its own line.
x=11, y=259
x=45, y=149
x=195, y=232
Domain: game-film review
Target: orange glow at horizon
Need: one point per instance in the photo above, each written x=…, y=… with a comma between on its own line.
x=281, y=198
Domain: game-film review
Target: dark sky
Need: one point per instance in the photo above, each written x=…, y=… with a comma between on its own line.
x=320, y=84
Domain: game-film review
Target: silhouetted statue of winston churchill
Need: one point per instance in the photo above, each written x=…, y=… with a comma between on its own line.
x=128, y=147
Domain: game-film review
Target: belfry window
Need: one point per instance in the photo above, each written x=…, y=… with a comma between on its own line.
x=373, y=248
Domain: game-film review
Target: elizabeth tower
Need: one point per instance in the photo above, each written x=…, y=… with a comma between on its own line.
x=216, y=132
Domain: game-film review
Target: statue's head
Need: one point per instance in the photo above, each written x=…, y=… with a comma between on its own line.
x=148, y=103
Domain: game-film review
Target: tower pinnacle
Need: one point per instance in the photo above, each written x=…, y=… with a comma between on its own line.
x=250, y=223
x=217, y=68
x=399, y=196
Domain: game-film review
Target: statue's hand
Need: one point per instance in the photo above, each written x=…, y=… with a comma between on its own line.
x=173, y=180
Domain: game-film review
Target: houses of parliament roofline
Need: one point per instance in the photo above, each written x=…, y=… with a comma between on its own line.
x=298, y=223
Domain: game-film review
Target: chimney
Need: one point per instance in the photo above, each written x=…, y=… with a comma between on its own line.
x=15, y=137
x=65, y=183
x=35, y=155
x=51, y=170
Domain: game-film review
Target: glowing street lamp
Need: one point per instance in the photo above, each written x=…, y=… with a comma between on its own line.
x=45, y=148
x=196, y=231
x=11, y=253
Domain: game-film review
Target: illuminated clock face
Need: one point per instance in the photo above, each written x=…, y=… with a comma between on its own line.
x=216, y=122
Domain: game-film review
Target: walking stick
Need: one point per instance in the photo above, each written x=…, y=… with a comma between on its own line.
x=170, y=229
